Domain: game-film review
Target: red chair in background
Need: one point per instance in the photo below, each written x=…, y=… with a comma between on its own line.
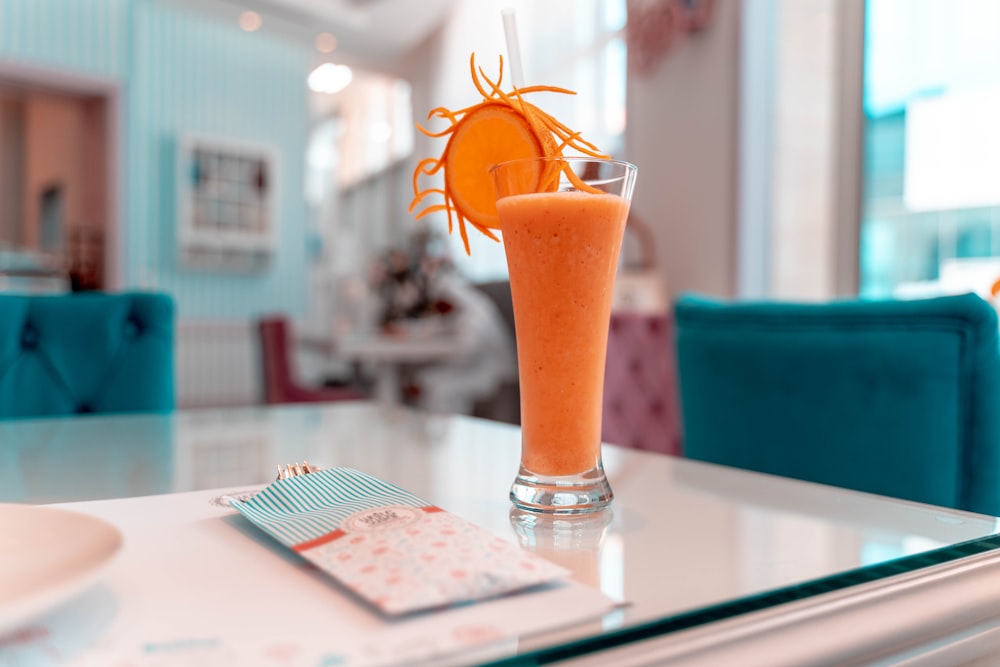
x=641, y=399
x=280, y=385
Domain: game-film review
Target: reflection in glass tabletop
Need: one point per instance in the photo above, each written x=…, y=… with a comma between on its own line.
x=687, y=545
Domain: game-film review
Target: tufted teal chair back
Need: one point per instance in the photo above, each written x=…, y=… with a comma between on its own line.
x=86, y=353
x=899, y=398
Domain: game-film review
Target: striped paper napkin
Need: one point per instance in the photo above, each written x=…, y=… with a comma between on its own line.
x=389, y=546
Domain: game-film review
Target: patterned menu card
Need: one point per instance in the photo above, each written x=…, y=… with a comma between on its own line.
x=388, y=546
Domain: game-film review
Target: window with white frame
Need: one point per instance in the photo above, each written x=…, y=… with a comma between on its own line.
x=931, y=206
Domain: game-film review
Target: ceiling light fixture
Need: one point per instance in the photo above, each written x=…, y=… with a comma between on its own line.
x=250, y=21
x=325, y=42
x=329, y=78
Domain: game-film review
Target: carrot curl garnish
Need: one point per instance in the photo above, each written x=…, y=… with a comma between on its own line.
x=503, y=126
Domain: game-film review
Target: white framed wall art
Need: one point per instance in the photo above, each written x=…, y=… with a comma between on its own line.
x=226, y=193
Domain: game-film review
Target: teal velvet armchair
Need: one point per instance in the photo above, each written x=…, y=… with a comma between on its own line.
x=86, y=353
x=898, y=398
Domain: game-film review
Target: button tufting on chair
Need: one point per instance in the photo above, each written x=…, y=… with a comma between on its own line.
x=641, y=407
x=87, y=352
x=29, y=338
x=131, y=329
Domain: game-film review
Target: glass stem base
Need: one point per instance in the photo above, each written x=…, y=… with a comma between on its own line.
x=561, y=494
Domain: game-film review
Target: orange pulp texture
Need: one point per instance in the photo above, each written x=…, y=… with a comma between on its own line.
x=562, y=251
x=500, y=128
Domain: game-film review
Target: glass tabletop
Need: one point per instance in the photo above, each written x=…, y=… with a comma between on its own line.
x=686, y=544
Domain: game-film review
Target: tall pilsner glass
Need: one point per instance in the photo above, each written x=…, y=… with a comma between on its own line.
x=562, y=241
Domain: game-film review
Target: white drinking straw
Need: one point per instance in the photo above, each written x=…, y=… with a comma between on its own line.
x=513, y=50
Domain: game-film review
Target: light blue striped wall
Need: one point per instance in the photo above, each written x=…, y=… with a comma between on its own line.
x=183, y=72
x=194, y=75
x=88, y=36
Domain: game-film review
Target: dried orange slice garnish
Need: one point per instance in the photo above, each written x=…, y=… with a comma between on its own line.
x=500, y=128
x=486, y=135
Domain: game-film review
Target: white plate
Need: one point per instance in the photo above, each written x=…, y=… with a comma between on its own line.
x=48, y=556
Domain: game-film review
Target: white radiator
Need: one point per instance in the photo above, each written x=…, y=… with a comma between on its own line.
x=217, y=363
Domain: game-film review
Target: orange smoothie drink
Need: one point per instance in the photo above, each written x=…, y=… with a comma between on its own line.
x=562, y=254
x=561, y=218
x=562, y=221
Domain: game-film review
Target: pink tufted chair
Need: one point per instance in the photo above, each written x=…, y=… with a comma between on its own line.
x=641, y=404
